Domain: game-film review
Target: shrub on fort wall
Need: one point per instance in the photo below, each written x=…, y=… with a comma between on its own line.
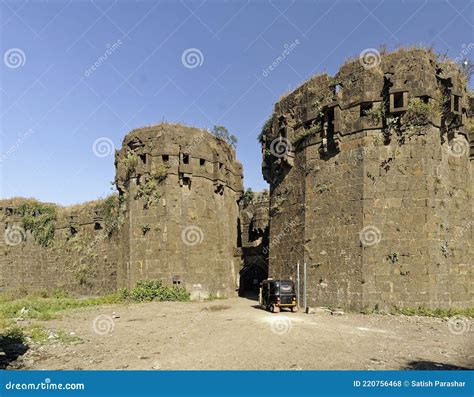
x=39, y=219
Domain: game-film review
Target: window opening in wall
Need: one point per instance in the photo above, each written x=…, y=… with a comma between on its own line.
x=336, y=89
x=185, y=158
x=185, y=180
x=165, y=158
x=330, y=122
x=97, y=226
x=142, y=158
x=455, y=103
x=365, y=108
x=72, y=230
x=202, y=162
x=398, y=100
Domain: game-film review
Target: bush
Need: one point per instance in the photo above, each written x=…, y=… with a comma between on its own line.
x=266, y=130
x=39, y=219
x=248, y=196
x=149, y=290
x=223, y=134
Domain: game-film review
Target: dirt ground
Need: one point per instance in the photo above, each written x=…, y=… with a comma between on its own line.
x=235, y=334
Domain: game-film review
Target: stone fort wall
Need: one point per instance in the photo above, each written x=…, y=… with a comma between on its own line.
x=372, y=168
x=174, y=219
x=183, y=230
x=81, y=258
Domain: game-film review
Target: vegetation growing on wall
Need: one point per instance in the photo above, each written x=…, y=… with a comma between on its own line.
x=130, y=162
x=149, y=189
x=248, y=196
x=266, y=130
x=310, y=131
x=420, y=113
x=110, y=210
x=223, y=133
x=39, y=219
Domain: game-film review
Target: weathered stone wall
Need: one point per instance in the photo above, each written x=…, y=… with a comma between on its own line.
x=82, y=257
x=254, y=243
x=175, y=219
x=376, y=162
x=184, y=229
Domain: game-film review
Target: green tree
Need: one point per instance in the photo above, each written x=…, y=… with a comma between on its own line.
x=223, y=133
x=248, y=195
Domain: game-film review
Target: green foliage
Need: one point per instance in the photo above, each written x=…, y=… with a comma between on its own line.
x=420, y=113
x=266, y=130
x=222, y=133
x=299, y=136
x=375, y=114
x=110, y=209
x=39, y=219
x=130, y=162
x=38, y=333
x=47, y=308
x=11, y=333
x=149, y=290
x=148, y=190
x=247, y=196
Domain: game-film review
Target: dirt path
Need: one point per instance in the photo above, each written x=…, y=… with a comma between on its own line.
x=233, y=334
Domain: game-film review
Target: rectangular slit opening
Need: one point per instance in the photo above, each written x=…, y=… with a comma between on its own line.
x=456, y=103
x=365, y=108
x=398, y=100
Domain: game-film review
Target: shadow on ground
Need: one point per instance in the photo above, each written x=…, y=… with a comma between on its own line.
x=432, y=365
x=11, y=347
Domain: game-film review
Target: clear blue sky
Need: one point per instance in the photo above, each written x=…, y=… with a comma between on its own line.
x=52, y=110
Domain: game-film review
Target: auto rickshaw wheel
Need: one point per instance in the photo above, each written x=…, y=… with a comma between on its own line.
x=274, y=308
x=294, y=309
